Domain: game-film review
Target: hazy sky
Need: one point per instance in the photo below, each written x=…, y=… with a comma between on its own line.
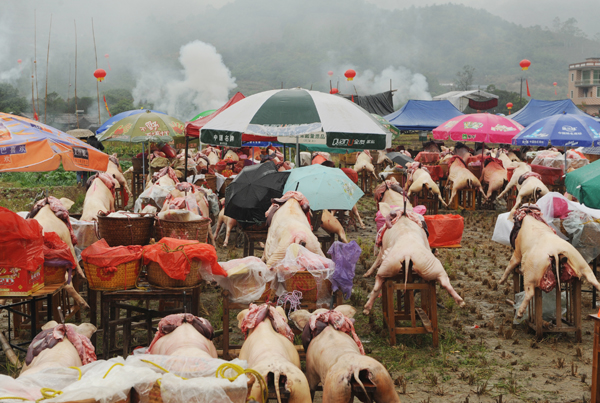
x=523, y=12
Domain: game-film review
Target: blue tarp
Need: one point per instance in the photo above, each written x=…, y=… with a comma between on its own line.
x=537, y=109
x=423, y=115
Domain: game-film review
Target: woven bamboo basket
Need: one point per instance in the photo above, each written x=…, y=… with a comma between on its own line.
x=351, y=158
x=305, y=282
x=158, y=278
x=54, y=275
x=101, y=279
x=125, y=231
x=225, y=184
x=211, y=182
x=155, y=394
x=399, y=176
x=138, y=164
x=192, y=230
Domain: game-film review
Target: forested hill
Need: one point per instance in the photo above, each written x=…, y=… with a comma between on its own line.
x=266, y=42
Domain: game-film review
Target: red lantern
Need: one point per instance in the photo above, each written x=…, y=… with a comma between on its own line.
x=334, y=91
x=100, y=74
x=525, y=64
x=555, y=84
x=350, y=74
x=106, y=55
x=330, y=73
x=509, y=107
x=19, y=61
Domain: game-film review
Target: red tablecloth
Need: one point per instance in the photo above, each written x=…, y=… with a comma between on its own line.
x=427, y=158
x=435, y=171
x=509, y=172
x=550, y=176
x=445, y=231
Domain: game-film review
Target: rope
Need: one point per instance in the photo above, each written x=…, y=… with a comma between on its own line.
x=161, y=368
x=110, y=369
x=240, y=371
x=13, y=398
x=48, y=393
x=78, y=370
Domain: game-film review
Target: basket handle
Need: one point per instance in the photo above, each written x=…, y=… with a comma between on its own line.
x=97, y=229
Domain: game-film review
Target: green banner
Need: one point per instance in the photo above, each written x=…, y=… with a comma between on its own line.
x=221, y=138
x=356, y=141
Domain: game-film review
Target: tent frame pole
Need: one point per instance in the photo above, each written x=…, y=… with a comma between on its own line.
x=187, y=145
x=297, y=152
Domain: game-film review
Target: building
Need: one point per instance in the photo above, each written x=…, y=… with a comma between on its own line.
x=584, y=85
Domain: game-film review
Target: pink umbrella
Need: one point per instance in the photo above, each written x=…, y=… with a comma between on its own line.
x=479, y=128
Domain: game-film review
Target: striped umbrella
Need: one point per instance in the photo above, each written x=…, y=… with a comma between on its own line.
x=298, y=116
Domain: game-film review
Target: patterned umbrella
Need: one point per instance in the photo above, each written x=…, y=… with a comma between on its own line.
x=479, y=128
x=110, y=122
x=27, y=145
x=153, y=127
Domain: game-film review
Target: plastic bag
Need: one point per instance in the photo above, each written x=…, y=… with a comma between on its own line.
x=101, y=255
x=187, y=367
x=345, y=256
x=56, y=251
x=584, y=233
x=445, y=231
x=503, y=229
x=21, y=242
x=548, y=306
x=154, y=195
x=246, y=279
x=179, y=215
x=29, y=386
x=203, y=390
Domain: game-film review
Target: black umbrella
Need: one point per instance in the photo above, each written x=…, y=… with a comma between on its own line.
x=249, y=196
x=399, y=158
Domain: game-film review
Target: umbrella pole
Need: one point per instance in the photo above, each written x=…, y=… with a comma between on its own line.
x=187, y=145
x=565, y=170
x=144, y=164
x=297, y=152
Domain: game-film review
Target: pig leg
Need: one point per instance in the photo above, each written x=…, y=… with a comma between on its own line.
x=452, y=195
x=376, y=264
x=374, y=293
x=219, y=225
x=229, y=225
x=337, y=387
x=355, y=213
x=512, y=264
x=445, y=283
x=211, y=238
x=529, y=293
x=589, y=276
x=76, y=297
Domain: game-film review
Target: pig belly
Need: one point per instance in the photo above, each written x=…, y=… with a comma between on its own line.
x=363, y=162
x=185, y=341
x=61, y=355
x=98, y=198
x=394, y=198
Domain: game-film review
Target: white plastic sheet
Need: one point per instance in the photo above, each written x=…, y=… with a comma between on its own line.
x=187, y=367
x=548, y=306
x=203, y=390
x=29, y=386
x=154, y=195
x=246, y=279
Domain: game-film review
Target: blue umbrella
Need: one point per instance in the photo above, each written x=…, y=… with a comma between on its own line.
x=566, y=129
x=107, y=125
x=561, y=130
x=324, y=187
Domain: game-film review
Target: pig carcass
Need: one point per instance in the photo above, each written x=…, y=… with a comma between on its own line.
x=530, y=186
x=419, y=178
x=462, y=151
x=53, y=216
x=100, y=196
x=269, y=349
x=364, y=162
x=520, y=169
x=60, y=346
x=391, y=192
x=403, y=240
x=459, y=178
x=335, y=356
x=184, y=335
x=331, y=224
x=543, y=256
x=231, y=156
x=114, y=169
x=494, y=174
x=228, y=222
x=305, y=158
x=506, y=162
x=288, y=224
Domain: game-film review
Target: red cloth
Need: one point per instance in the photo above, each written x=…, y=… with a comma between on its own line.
x=56, y=249
x=445, y=230
x=435, y=171
x=258, y=313
x=339, y=322
x=174, y=256
x=101, y=255
x=59, y=211
x=319, y=159
x=21, y=242
x=351, y=173
x=425, y=157
x=550, y=176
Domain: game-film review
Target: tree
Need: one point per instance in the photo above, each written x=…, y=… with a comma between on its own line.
x=464, y=78
x=10, y=101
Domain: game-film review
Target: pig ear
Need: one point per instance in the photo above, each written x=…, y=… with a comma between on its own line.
x=85, y=329
x=282, y=313
x=241, y=317
x=346, y=310
x=66, y=202
x=300, y=318
x=385, y=209
x=50, y=325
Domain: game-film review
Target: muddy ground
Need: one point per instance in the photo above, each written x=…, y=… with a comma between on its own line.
x=482, y=357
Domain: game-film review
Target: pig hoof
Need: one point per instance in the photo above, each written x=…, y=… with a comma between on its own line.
x=366, y=311
x=462, y=304
x=224, y=244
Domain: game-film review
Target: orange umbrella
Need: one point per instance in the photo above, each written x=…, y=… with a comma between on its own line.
x=27, y=145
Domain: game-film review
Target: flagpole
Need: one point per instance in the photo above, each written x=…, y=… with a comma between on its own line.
x=37, y=88
x=97, y=87
x=47, y=62
x=76, y=113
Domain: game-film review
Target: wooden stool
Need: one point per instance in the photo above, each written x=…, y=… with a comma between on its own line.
x=595, y=358
x=252, y=237
x=325, y=239
x=427, y=313
x=573, y=302
x=365, y=182
x=137, y=184
x=427, y=199
x=511, y=198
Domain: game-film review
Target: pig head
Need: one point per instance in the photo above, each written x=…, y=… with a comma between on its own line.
x=54, y=349
x=404, y=242
x=545, y=259
x=269, y=352
x=184, y=335
x=289, y=225
x=334, y=359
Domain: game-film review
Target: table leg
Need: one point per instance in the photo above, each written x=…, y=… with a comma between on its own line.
x=50, y=312
x=33, y=317
x=225, y=299
x=92, y=300
x=195, y=301
x=105, y=321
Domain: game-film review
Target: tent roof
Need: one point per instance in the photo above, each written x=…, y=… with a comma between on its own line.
x=423, y=115
x=537, y=109
x=192, y=129
x=460, y=99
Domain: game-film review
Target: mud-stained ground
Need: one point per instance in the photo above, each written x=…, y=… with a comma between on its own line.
x=482, y=357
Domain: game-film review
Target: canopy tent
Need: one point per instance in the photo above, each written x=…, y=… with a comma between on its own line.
x=537, y=109
x=423, y=115
x=584, y=184
x=380, y=104
x=476, y=99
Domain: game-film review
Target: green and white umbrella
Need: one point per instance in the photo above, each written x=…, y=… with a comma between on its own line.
x=298, y=116
x=143, y=128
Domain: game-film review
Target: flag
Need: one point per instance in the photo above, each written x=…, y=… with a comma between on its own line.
x=35, y=116
x=108, y=110
x=527, y=84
